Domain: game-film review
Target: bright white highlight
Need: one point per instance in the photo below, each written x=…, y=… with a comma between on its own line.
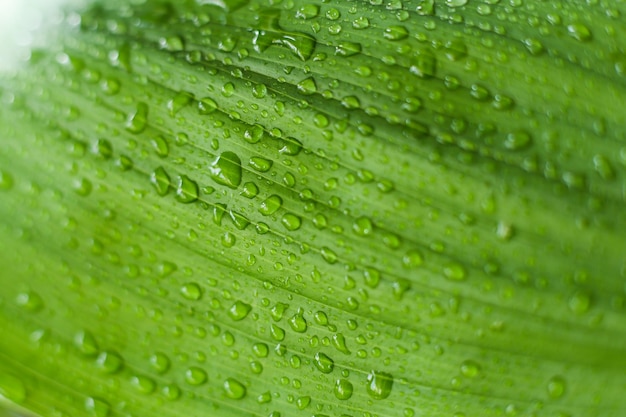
x=24, y=24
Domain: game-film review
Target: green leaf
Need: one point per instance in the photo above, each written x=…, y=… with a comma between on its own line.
x=290, y=208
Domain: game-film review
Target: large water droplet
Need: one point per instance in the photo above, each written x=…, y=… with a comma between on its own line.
x=186, y=189
x=226, y=170
x=379, y=384
x=234, y=389
x=239, y=310
x=343, y=389
x=324, y=363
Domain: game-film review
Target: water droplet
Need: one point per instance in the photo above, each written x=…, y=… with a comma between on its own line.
x=372, y=277
x=239, y=310
x=195, y=376
x=363, y=226
x=83, y=187
x=329, y=255
x=186, y=189
x=226, y=170
x=350, y=102
x=339, y=341
x=30, y=301
x=254, y=134
x=238, y=219
x=109, y=362
x=234, y=389
x=277, y=332
x=270, y=205
x=454, y=272
x=361, y=22
x=259, y=90
x=86, y=343
x=346, y=48
x=556, y=387
x=138, y=120
x=278, y=310
x=260, y=349
x=270, y=33
x=103, y=148
x=308, y=11
x=343, y=389
x=291, y=221
x=379, y=384
x=298, y=322
x=160, y=146
x=423, y=64
x=260, y=164
x=579, y=32
x=412, y=259
x=425, y=7
x=455, y=49
x=307, y=86
x=97, y=407
x=579, y=302
x=159, y=362
x=396, y=33
x=12, y=388
x=172, y=43
x=470, y=368
x=206, y=106
x=161, y=181
x=179, y=101
x=171, y=392
x=191, y=291
x=324, y=363
x=303, y=402
x=143, y=384
x=250, y=190
x=456, y=3
x=517, y=140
